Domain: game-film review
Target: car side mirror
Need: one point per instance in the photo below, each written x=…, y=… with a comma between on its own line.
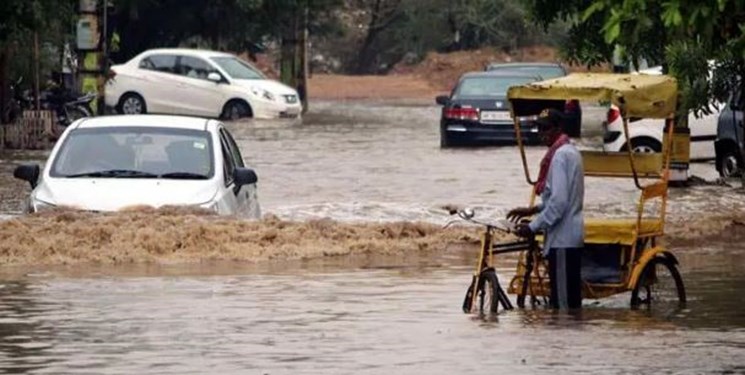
x=244, y=176
x=214, y=77
x=27, y=172
x=442, y=100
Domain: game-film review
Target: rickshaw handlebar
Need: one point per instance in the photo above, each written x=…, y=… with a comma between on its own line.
x=468, y=215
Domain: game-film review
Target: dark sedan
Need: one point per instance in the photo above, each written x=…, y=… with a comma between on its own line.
x=478, y=112
x=546, y=71
x=543, y=70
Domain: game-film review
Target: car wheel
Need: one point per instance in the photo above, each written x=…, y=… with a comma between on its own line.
x=235, y=110
x=132, y=104
x=729, y=164
x=644, y=146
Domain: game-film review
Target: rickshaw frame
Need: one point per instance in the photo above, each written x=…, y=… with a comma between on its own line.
x=636, y=240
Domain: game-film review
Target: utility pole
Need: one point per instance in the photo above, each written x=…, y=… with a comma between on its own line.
x=92, y=47
x=103, y=59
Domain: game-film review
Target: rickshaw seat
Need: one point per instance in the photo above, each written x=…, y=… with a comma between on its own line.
x=620, y=231
x=604, y=242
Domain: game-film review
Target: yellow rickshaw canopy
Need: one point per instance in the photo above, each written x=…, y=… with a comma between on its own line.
x=644, y=96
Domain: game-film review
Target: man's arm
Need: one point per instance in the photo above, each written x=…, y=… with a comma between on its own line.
x=540, y=206
x=558, y=201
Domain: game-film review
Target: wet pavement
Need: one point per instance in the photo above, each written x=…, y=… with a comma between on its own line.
x=368, y=314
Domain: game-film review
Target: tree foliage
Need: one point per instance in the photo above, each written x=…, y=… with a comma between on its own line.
x=414, y=27
x=382, y=32
x=236, y=25
x=683, y=35
x=19, y=21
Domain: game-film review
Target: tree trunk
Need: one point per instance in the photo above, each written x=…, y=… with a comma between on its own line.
x=288, y=52
x=382, y=15
x=364, y=62
x=362, y=65
x=293, y=54
x=4, y=92
x=37, y=105
x=302, y=87
x=741, y=141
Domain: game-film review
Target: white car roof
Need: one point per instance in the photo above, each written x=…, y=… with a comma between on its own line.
x=203, y=53
x=155, y=121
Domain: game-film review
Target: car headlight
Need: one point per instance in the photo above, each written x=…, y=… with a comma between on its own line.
x=262, y=93
x=37, y=205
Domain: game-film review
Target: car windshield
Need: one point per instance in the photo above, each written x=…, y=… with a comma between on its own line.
x=482, y=86
x=238, y=69
x=543, y=72
x=135, y=152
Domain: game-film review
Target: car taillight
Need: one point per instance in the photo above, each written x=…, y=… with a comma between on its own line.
x=613, y=115
x=111, y=74
x=462, y=113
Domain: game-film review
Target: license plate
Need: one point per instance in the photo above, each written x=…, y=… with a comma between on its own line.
x=494, y=116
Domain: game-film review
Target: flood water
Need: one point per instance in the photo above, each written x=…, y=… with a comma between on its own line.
x=380, y=311
x=369, y=315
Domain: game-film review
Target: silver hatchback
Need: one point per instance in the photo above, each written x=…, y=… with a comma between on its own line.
x=115, y=162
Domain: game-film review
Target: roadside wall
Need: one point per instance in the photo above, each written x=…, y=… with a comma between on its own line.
x=34, y=130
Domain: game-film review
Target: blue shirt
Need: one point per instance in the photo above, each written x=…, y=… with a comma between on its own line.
x=560, y=212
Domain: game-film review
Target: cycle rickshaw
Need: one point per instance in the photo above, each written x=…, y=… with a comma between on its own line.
x=621, y=254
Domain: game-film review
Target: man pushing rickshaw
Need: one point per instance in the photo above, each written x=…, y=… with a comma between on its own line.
x=563, y=256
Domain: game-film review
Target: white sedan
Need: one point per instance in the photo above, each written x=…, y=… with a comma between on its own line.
x=110, y=163
x=199, y=83
x=646, y=134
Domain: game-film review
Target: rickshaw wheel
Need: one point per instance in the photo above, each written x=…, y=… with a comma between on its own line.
x=659, y=287
x=487, y=297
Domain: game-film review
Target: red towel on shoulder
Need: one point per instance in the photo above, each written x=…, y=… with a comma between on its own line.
x=540, y=185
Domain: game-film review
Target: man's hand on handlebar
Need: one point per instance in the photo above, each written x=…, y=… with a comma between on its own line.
x=516, y=214
x=523, y=230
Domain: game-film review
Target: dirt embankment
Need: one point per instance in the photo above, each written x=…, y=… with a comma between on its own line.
x=435, y=75
x=392, y=87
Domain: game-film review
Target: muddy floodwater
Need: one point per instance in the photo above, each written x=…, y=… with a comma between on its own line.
x=350, y=271
x=367, y=315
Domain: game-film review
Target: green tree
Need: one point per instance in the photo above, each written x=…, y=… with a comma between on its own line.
x=683, y=35
x=397, y=28
x=19, y=21
x=216, y=24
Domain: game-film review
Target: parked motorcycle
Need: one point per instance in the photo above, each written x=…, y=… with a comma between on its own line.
x=19, y=100
x=66, y=105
